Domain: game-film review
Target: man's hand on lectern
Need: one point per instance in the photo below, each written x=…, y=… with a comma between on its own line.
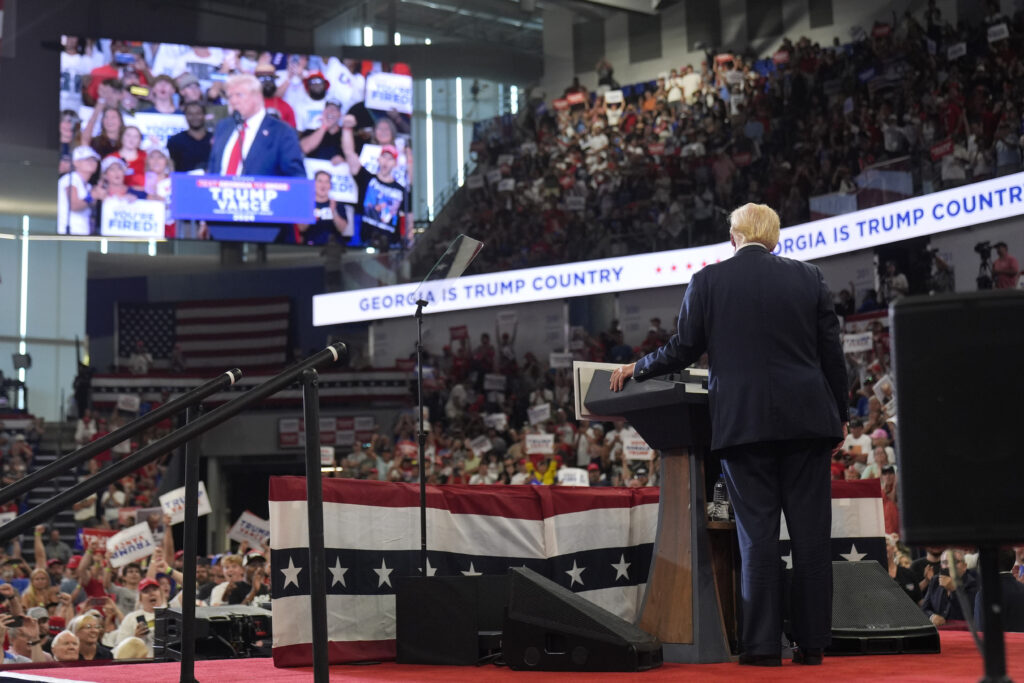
x=619, y=377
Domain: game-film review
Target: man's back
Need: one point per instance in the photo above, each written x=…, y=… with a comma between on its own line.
x=777, y=370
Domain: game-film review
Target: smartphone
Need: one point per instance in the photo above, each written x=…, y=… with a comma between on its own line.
x=16, y=622
x=138, y=90
x=124, y=58
x=98, y=602
x=141, y=618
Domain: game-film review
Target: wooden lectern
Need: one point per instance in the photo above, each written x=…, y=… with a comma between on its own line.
x=690, y=602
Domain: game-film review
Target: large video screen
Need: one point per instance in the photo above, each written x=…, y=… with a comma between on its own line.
x=159, y=140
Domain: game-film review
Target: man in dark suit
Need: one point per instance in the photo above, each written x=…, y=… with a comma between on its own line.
x=1012, y=593
x=779, y=404
x=252, y=142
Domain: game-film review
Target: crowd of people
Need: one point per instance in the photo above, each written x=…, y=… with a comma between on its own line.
x=70, y=607
x=134, y=113
x=587, y=178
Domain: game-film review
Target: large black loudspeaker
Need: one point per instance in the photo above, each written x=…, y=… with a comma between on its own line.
x=231, y=631
x=958, y=362
x=448, y=619
x=550, y=628
x=872, y=615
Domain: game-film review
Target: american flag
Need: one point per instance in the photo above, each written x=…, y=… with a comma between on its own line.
x=222, y=333
x=596, y=542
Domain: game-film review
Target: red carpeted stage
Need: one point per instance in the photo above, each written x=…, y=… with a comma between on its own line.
x=959, y=661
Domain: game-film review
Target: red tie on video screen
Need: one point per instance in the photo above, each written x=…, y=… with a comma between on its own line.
x=235, y=159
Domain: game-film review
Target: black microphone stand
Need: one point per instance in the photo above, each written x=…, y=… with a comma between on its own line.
x=422, y=440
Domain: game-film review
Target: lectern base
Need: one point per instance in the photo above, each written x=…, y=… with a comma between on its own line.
x=682, y=605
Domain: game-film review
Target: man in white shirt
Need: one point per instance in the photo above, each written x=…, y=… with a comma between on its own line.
x=857, y=445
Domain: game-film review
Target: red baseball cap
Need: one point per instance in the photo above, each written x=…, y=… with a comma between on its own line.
x=73, y=562
x=55, y=625
x=148, y=583
x=389, y=149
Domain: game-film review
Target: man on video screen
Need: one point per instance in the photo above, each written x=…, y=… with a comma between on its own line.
x=253, y=143
x=382, y=199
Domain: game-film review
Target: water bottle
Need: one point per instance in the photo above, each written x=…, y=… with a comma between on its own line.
x=720, y=511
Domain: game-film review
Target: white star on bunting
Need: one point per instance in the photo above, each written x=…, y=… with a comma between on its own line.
x=291, y=574
x=430, y=570
x=576, y=574
x=472, y=571
x=621, y=569
x=338, y=573
x=383, y=574
x=853, y=555
x=788, y=559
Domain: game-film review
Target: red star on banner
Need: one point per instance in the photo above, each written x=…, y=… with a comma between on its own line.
x=673, y=267
x=689, y=266
x=703, y=263
x=658, y=269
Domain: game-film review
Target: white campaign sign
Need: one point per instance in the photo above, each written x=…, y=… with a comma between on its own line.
x=538, y=414
x=128, y=402
x=250, y=528
x=540, y=443
x=572, y=476
x=173, y=503
x=386, y=91
x=134, y=543
x=140, y=218
x=480, y=445
x=998, y=32
x=343, y=185
x=494, y=382
x=474, y=182
x=506, y=185
x=561, y=360
x=637, y=449
x=983, y=202
x=855, y=343
x=7, y=517
x=498, y=421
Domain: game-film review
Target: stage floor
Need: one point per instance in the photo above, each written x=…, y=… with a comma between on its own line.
x=959, y=661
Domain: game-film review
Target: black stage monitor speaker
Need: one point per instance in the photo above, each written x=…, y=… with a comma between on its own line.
x=448, y=619
x=958, y=363
x=550, y=628
x=872, y=615
x=231, y=631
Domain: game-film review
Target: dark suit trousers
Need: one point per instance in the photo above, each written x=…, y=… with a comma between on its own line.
x=792, y=477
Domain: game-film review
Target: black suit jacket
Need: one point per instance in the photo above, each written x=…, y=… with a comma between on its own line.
x=1012, y=604
x=777, y=370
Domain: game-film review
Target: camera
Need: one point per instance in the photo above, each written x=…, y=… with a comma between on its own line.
x=983, y=248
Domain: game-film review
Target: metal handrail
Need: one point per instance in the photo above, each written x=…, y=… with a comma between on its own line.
x=144, y=456
x=90, y=450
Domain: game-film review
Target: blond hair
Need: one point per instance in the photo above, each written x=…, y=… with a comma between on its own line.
x=755, y=223
x=132, y=647
x=232, y=559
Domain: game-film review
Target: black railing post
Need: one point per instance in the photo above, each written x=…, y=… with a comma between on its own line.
x=190, y=545
x=315, y=517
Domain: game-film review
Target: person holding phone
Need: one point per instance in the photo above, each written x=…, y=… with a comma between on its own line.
x=23, y=636
x=141, y=622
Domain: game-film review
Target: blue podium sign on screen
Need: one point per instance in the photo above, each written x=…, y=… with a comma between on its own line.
x=247, y=199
